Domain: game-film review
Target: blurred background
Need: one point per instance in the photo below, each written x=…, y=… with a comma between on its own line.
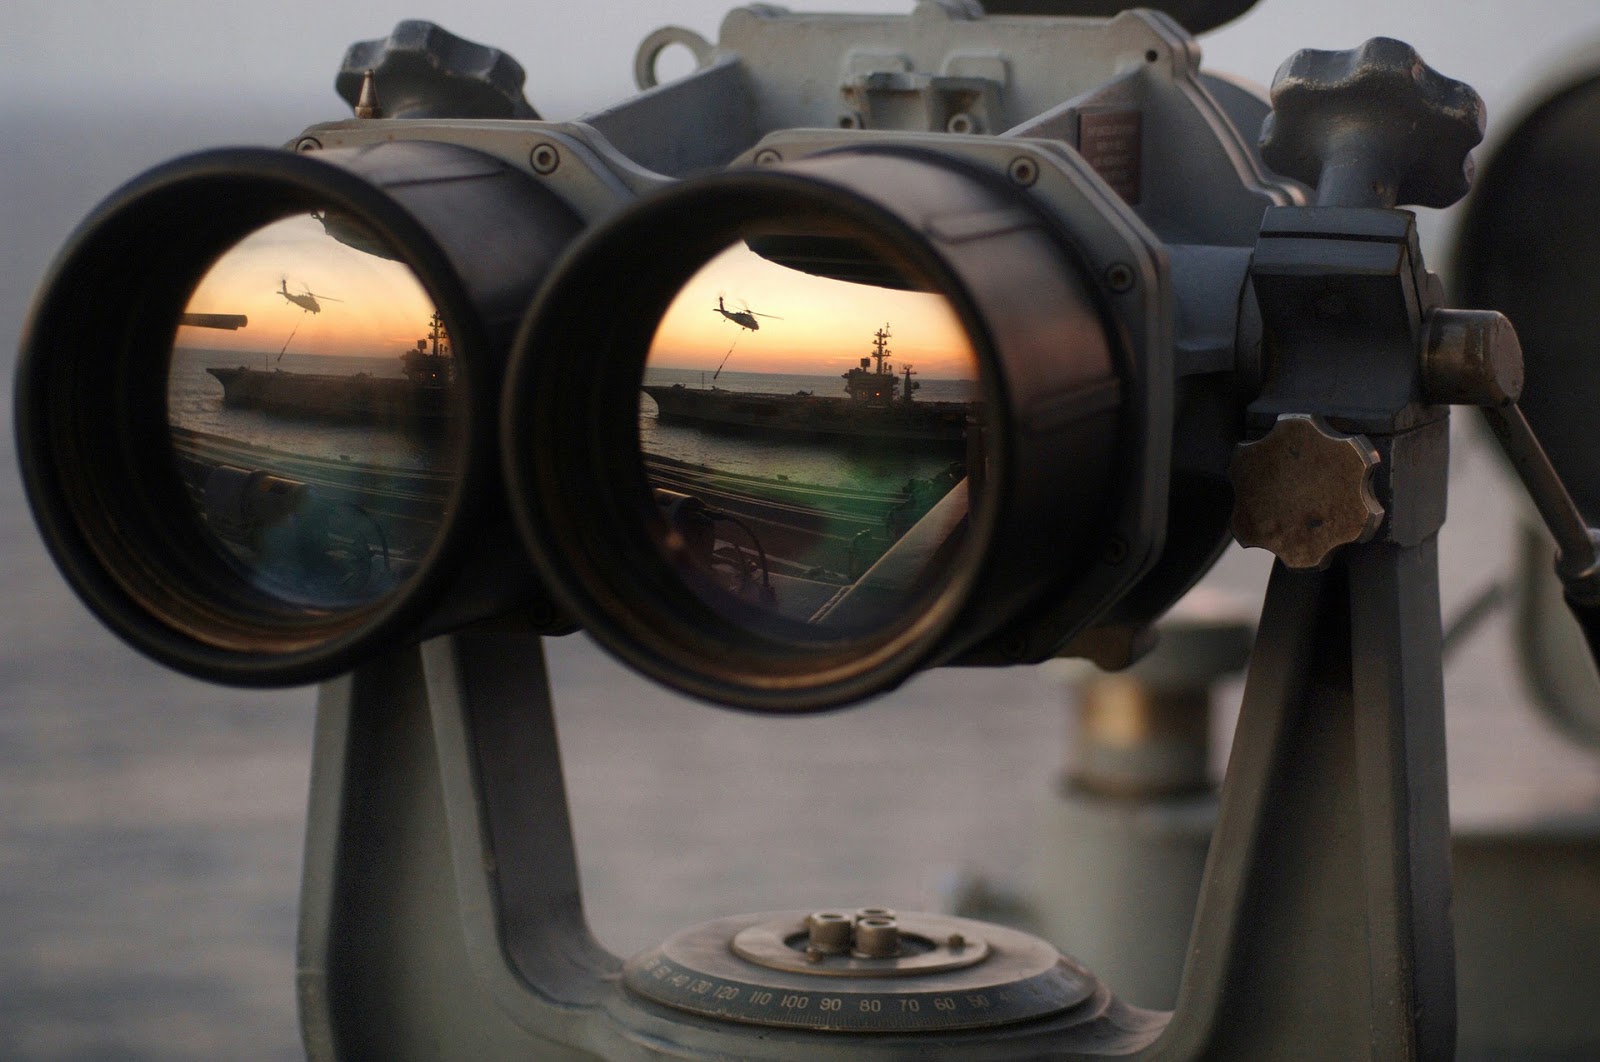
x=151, y=826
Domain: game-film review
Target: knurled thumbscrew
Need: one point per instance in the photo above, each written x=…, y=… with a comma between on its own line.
x=423, y=71
x=1374, y=126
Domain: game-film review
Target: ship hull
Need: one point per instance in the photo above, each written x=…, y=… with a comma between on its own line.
x=810, y=416
x=360, y=399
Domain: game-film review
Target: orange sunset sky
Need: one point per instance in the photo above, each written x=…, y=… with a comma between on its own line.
x=383, y=309
x=826, y=325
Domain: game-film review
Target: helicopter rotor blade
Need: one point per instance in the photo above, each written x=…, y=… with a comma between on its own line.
x=774, y=316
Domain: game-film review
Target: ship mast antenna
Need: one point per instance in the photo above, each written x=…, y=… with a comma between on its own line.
x=880, y=345
x=437, y=332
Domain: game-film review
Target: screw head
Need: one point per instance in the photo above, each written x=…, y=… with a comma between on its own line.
x=544, y=158
x=961, y=122
x=1023, y=170
x=308, y=143
x=1120, y=277
x=767, y=157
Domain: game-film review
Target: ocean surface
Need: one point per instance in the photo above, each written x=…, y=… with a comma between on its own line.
x=151, y=826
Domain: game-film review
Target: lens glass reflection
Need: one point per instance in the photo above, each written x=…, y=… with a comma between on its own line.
x=808, y=420
x=312, y=406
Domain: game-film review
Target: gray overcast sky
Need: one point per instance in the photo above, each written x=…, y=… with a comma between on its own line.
x=190, y=73
x=578, y=54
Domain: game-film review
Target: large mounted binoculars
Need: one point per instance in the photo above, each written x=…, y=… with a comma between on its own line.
x=874, y=344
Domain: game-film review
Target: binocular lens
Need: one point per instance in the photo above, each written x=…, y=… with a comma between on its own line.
x=804, y=423
x=782, y=436
x=256, y=400
x=313, y=431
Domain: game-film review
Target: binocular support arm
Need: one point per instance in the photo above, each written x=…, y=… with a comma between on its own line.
x=440, y=913
x=1326, y=897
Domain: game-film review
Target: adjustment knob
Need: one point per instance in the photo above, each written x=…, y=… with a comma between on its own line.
x=423, y=71
x=1303, y=491
x=1372, y=127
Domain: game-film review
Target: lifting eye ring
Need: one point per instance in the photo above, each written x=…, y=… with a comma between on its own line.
x=650, y=49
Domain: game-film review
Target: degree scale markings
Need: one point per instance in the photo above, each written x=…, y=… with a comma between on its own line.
x=697, y=971
x=839, y=1008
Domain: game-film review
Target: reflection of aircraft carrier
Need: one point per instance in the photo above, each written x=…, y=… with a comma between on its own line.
x=420, y=400
x=876, y=405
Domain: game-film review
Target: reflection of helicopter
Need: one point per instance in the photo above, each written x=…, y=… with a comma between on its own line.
x=745, y=318
x=307, y=300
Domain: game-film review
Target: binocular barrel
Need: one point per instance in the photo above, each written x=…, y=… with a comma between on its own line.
x=281, y=410
x=237, y=447
x=857, y=538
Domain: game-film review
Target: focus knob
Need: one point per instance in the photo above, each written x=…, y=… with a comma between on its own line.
x=423, y=71
x=1303, y=491
x=1372, y=127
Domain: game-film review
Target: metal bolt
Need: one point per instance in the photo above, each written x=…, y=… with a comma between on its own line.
x=767, y=157
x=308, y=143
x=1023, y=170
x=544, y=158
x=367, y=105
x=877, y=938
x=813, y=953
x=828, y=932
x=961, y=122
x=955, y=942
x=851, y=120
x=1120, y=277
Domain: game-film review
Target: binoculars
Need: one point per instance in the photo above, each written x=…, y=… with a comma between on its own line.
x=874, y=344
x=251, y=467
x=781, y=542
